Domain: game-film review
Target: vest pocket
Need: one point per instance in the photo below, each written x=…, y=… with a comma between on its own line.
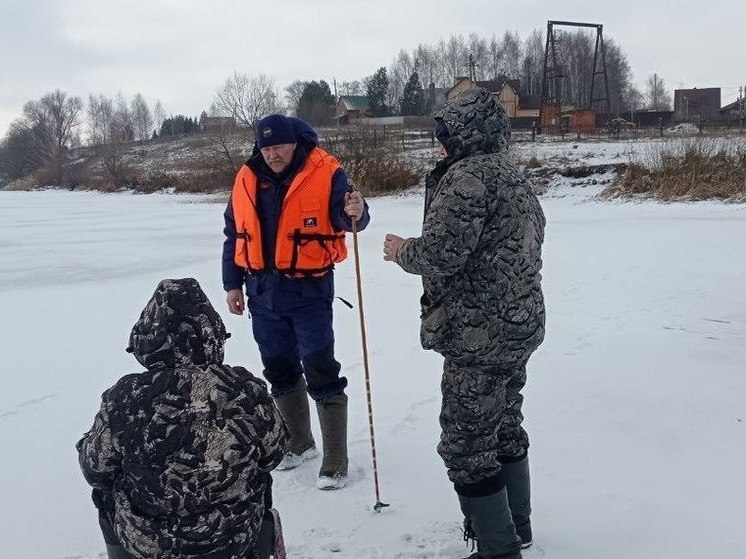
x=310, y=215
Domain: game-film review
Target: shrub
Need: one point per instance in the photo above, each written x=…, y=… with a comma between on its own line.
x=695, y=169
x=374, y=162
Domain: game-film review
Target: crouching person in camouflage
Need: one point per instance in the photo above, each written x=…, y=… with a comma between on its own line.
x=480, y=257
x=179, y=455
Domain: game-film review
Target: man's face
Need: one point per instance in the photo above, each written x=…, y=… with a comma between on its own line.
x=278, y=157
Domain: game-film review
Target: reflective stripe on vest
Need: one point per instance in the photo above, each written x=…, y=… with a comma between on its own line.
x=306, y=242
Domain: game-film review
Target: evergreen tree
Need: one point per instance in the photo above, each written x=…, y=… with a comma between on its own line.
x=377, y=89
x=316, y=103
x=413, y=97
x=176, y=125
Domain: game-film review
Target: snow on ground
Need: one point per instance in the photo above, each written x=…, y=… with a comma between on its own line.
x=635, y=402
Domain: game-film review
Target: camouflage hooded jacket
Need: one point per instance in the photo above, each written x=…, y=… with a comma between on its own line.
x=179, y=455
x=480, y=250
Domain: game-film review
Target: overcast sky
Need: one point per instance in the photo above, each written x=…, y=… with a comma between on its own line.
x=181, y=51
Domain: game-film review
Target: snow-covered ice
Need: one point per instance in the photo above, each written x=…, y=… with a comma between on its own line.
x=636, y=402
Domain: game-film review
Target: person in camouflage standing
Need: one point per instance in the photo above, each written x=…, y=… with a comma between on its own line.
x=483, y=309
x=179, y=455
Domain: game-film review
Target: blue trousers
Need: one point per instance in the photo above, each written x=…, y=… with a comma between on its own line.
x=295, y=342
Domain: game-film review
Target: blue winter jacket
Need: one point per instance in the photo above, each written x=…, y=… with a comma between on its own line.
x=275, y=291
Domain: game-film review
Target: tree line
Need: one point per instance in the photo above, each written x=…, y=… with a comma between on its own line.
x=53, y=124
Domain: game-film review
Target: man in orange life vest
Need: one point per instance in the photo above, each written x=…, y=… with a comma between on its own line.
x=284, y=225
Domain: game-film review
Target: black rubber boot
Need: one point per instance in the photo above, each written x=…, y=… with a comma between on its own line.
x=294, y=409
x=518, y=484
x=117, y=552
x=333, y=420
x=489, y=519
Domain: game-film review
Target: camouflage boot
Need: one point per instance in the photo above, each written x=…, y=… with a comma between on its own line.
x=293, y=407
x=333, y=419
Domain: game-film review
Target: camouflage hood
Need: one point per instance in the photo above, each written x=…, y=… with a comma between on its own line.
x=479, y=254
x=178, y=328
x=476, y=123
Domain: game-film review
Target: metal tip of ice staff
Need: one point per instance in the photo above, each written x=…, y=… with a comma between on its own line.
x=379, y=505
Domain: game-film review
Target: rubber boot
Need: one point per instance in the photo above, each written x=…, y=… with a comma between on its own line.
x=117, y=552
x=489, y=519
x=518, y=484
x=294, y=409
x=333, y=420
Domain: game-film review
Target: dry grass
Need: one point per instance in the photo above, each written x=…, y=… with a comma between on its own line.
x=374, y=162
x=694, y=169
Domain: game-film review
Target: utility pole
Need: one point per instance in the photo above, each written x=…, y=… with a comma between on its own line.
x=336, y=101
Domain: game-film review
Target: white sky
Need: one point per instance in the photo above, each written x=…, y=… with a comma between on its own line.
x=181, y=51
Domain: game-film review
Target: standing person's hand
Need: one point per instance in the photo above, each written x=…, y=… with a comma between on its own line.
x=236, y=303
x=391, y=245
x=354, y=205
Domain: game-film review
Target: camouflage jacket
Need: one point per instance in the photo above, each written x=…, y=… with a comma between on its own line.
x=480, y=250
x=179, y=455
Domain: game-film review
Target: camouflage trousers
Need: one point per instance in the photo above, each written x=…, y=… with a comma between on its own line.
x=480, y=419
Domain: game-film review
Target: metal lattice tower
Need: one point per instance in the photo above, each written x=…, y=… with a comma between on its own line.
x=555, y=71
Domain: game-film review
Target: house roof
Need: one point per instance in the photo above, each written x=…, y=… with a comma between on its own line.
x=732, y=106
x=355, y=102
x=493, y=86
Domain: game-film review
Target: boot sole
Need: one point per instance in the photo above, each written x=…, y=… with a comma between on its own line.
x=327, y=483
x=292, y=461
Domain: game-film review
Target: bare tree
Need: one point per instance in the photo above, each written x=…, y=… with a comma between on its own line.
x=293, y=94
x=577, y=59
x=494, y=58
x=110, y=128
x=479, y=51
x=124, y=125
x=634, y=101
x=658, y=99
x=247, y=98
x=398, y=73
x=620, y=76
x=159, y=115
x=533, y=63
x=510, y=59
x=354, y=87
x=456, y=58
x=424, y=55
x=100, y=119
x=141, y=118
x=54, y=119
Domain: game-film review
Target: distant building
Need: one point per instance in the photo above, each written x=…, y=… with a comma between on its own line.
x=352, y=107
x=734, y=112
x=691, y=105
x=217, y=123
x=507, y=91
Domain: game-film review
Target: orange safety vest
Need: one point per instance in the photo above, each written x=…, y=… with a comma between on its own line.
x=306, y=243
